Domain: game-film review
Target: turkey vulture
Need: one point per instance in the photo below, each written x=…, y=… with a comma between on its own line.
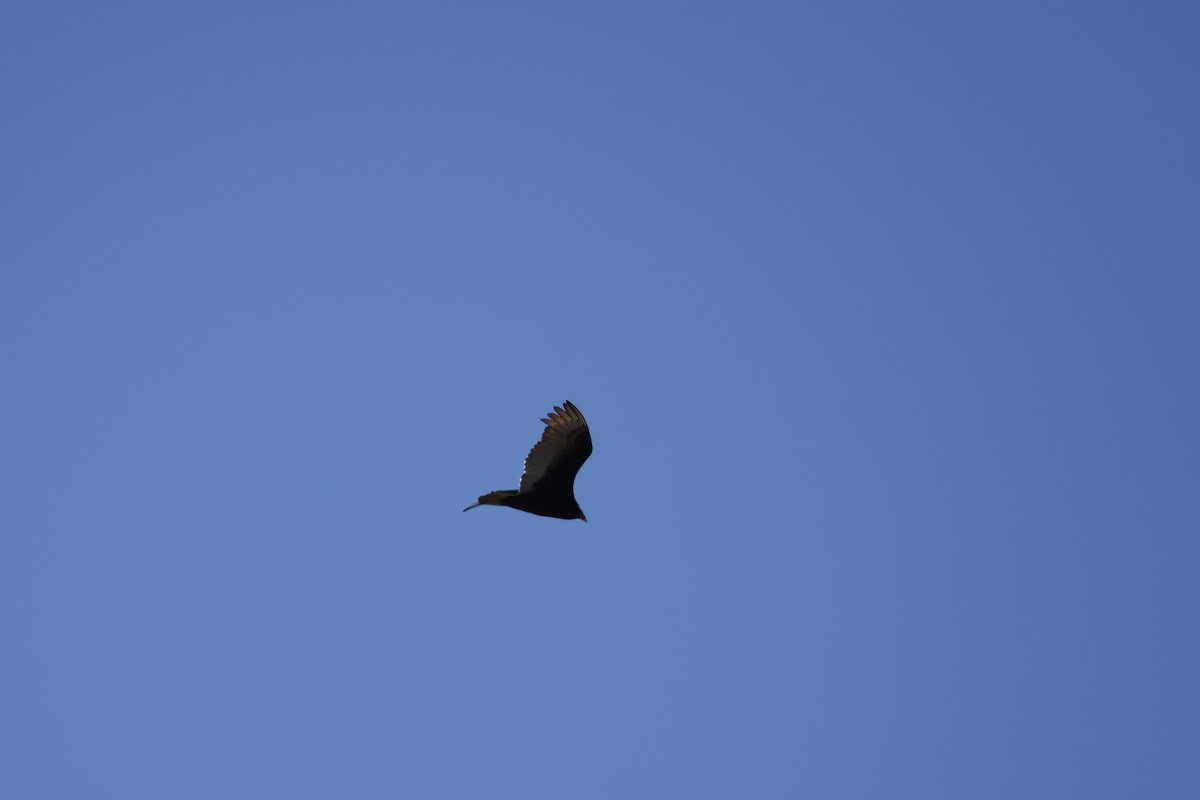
x=548, y=482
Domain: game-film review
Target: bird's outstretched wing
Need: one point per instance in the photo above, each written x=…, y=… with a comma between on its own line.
x=565, y=445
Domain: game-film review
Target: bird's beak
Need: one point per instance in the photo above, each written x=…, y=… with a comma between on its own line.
x=582, y=517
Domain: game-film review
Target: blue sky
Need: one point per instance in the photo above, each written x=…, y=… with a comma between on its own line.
x=884, y=318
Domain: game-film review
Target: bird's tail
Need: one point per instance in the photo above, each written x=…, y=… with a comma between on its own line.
x=496, y=498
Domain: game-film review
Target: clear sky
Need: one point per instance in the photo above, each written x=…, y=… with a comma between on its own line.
x=885, y=318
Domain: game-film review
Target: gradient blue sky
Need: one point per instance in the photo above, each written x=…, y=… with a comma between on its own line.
x=885, y=316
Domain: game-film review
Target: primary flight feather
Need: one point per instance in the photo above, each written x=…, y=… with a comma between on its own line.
x=548, y=482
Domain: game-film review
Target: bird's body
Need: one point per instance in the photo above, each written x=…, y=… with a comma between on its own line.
x=548, y=482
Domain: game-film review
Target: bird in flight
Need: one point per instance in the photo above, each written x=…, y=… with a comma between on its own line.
x=548, y=482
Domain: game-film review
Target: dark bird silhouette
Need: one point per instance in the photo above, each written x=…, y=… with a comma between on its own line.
x=548, y=482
